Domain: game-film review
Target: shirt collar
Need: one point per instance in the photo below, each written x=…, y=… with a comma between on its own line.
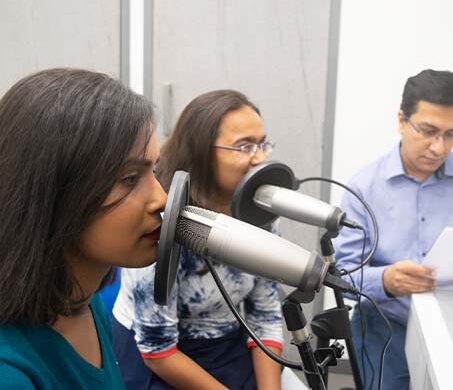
x=394, y=166
x=447, y=168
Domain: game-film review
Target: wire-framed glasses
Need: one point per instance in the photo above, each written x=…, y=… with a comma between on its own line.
x=250, y=148
x=431, y=135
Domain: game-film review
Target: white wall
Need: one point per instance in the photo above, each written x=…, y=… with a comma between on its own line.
x=382, y=43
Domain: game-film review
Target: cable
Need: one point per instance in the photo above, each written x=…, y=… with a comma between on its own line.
x=362, y=337
x=367, y=208
x=363, y=262
x=255, y=338
x=362, y=322
x=387, y=343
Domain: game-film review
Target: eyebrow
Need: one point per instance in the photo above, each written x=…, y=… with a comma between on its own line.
x=139, y=163
x=427, y=124
x=250, y=139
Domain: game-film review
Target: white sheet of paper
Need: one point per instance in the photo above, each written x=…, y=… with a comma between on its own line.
x=440, y=258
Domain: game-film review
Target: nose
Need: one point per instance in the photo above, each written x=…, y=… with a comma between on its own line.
x=157, y=197
x=438, y=145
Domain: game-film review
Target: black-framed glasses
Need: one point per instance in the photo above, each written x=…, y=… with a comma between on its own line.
x=251, y=148
x=431, y=135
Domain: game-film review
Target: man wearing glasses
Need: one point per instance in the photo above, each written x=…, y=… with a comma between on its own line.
x=411, y=192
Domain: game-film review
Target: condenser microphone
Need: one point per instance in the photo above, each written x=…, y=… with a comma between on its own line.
x=299, y=207
x=249, y=248
x=232, y=242
x=268, y=191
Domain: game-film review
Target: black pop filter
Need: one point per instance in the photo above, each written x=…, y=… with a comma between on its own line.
x=270, y=172
x=168, y=250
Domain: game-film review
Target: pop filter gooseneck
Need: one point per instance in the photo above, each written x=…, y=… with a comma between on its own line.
x=270, y=172
x=168, y=250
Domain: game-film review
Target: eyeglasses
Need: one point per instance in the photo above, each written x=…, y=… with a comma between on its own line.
x=251, y=148
x=431, y=135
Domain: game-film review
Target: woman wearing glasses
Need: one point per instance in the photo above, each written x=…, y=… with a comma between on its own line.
x=195, y=342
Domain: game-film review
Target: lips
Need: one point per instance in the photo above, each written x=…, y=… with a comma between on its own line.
x=432, y=161
x=154, y=235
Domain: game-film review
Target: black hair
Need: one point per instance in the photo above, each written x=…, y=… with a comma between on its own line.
x=65, y=135
x=432, y=86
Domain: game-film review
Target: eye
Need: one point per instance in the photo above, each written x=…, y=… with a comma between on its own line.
x=267, y=146
x=248, y=148
x=448, y=136
x=130, y=180
x=430, y=133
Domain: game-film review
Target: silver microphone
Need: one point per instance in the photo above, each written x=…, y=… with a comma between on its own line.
x=251, y=249
x=268, y=191
x=297, y=206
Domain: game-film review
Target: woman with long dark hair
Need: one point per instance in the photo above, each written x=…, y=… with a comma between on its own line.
x=77, y=196
x=195, y=342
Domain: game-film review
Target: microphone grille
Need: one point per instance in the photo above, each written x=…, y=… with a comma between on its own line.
x=193, y=234
x=203, y=212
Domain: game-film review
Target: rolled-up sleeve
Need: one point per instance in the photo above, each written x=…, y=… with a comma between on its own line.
x=263, y=312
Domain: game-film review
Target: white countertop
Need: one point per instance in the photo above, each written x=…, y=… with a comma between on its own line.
x=429, y=341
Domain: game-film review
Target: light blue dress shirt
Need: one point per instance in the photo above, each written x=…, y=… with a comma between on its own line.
x=410, y=216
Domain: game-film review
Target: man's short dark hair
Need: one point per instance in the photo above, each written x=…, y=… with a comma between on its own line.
x=432, y=86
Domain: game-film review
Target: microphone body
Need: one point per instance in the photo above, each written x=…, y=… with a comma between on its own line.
x=251, y=249
x=297, y=206
x=240, y=244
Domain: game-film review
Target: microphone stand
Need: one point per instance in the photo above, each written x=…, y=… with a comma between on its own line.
x=330, y=324
x=334, y=323
x=296, y=324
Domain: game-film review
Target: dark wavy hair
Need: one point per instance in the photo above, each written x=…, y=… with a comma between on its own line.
x=189, y=147
x=65, y=135
x=432, y=86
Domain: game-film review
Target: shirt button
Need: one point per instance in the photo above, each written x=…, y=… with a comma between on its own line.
x=422, y=219
x=423, y=254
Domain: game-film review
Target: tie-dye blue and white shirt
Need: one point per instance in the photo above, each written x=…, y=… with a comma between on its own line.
x=196, y=309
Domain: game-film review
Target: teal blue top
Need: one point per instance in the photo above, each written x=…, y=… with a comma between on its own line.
x=37, y=357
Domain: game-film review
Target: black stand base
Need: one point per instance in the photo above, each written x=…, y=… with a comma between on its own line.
x=330, y=324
